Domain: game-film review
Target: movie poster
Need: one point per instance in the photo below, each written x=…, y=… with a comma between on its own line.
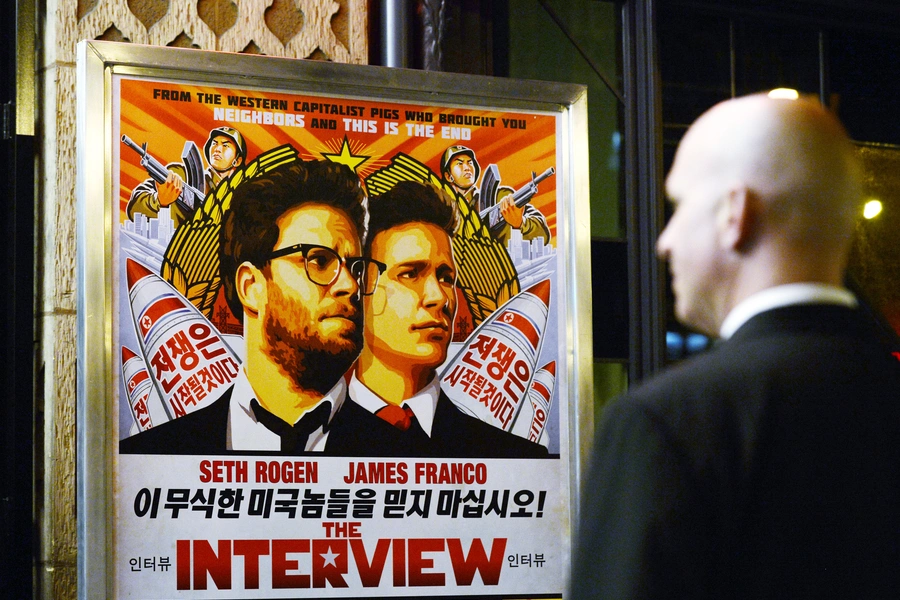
x=255, y=338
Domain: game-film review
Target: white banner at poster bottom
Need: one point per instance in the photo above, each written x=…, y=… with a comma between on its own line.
x=239, y=527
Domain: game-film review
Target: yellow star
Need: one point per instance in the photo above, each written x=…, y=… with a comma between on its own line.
x=346, y=156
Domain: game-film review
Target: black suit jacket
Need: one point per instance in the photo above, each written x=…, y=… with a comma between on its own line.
x=768, y=467
x=357, y=432
x=201, y=432
x=353, y=431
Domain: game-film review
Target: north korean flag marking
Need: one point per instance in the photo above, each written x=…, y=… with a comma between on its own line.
x=158, y=309
x=521, y=323
x=138, y=378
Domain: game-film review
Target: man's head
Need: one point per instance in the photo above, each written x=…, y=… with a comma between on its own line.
x=459, y=167
x=225, y=149
x=288, y=241
x=409, y=318
x=765, y=192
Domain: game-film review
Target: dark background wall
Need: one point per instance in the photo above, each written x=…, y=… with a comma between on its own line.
x=17, y=529
x=845, y=53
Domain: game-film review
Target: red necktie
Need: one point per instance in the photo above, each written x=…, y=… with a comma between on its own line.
x=399, y=417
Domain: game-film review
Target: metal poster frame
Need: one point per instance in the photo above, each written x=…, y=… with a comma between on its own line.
x=127, y=91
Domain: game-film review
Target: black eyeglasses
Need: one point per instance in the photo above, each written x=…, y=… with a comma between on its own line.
x=324, y=264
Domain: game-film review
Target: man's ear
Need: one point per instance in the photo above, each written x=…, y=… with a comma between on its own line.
x=250, y=285
x=739, y=218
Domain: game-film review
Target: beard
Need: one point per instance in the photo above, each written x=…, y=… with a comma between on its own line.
x=313, y=362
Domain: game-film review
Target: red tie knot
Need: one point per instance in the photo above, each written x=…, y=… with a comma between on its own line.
x=399, y=417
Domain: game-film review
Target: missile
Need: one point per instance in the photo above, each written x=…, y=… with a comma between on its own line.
x=140, y=389
x=490, y=375
x=533, y=415
x=190, y=363
x=540, y=393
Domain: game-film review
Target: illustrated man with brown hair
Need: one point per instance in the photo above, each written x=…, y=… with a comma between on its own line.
x=396, y=407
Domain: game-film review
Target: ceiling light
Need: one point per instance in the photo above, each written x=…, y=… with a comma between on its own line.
x=872, y=209
x=784, y=94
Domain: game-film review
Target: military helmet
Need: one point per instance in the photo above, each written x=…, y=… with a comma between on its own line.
x=454, y=151
x=234, y=135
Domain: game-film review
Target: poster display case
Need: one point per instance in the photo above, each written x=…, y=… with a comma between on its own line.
x=267, y=243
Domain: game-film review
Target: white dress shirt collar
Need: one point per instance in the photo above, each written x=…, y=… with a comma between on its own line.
x=784, y=295
x=423, y=404
x=246, y=433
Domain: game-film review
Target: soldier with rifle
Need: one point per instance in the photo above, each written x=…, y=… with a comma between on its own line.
x=182, y=186
x=503, y=208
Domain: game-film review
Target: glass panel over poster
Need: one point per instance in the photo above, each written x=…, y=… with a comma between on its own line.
x=330, y=328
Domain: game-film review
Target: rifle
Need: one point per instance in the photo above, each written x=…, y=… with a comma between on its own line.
x=490, y=186
x=190, y=156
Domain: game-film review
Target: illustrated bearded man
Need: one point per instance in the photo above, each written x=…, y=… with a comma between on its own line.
x=292, y=273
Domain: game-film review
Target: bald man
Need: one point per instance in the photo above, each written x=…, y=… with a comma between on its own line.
x=768, y=467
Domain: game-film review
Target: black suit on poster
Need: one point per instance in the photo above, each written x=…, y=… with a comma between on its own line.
x=353, y=431
x=767, y=468
x=357, y=432
x=203, y=431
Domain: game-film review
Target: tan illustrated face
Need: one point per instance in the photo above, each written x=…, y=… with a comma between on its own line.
x=312, y=315
x=462, y=171
x=409, y=319
x=223, y=154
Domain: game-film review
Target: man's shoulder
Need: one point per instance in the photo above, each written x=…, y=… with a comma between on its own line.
x=726, y=366
x=800, y=354
x=715, y=392
x=714, y=368
x=200, y=432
